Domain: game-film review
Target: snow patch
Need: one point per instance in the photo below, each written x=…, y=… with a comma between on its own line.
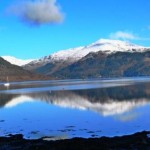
x=16, y=61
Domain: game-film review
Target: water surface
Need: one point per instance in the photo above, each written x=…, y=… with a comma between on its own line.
x=75, y=108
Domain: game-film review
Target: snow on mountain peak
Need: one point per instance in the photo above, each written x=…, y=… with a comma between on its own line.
x=115, y=45
x=16, y=61
x=74, y=54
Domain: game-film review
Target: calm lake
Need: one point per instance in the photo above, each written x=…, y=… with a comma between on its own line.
x=75, y=108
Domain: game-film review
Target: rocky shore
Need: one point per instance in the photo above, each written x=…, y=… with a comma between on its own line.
x=138, y=141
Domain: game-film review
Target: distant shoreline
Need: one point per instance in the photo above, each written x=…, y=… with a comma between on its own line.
x=137, y=141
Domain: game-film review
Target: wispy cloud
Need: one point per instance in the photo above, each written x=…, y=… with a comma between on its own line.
x=123, y=35
x=37, y=12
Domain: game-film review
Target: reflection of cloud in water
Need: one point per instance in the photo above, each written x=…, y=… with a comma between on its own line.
x=127, y=116
x=48, y=137
x=54, y=138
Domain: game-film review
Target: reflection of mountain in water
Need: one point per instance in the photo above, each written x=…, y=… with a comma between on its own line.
x=5, y=98
x=109, y=107
x=18, y=100
x=108, y=101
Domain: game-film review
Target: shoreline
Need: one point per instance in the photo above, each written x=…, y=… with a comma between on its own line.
x=139, y=140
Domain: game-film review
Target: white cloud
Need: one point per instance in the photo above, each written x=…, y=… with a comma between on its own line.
x=38, y=12
x=123, y=35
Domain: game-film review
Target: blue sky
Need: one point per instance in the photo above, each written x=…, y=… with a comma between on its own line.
x=85, y=21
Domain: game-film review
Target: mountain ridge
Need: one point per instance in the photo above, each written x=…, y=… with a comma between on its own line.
x=105, y=58
x=74, y=54
x=16, y=73
x=119, y=64
x=55, y=62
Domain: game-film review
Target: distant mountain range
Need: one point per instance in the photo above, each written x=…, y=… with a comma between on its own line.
x=16, y=73
x=103, y=58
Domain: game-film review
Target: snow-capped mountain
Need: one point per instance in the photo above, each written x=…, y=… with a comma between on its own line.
x=16, y=61
x=74, y=54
